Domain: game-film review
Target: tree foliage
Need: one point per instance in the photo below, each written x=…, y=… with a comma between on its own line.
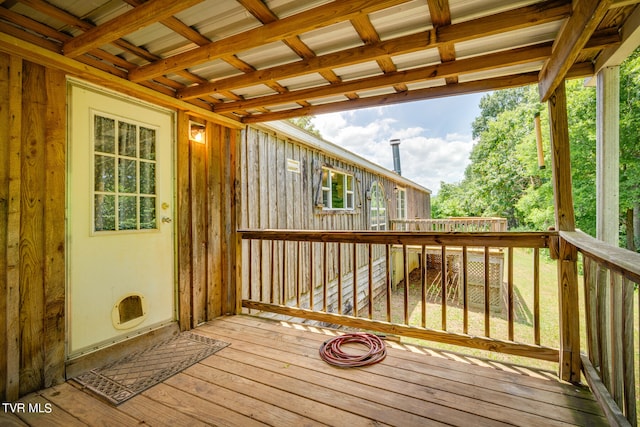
x=503, y=178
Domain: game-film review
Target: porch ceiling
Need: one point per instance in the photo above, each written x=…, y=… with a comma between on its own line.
x=261, y=60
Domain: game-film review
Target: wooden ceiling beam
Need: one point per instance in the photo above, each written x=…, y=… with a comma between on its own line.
x=577, y=71
x=520, y=18
x=73, y=67
x=432, y=72
x=396, y=98
x=142, y=16
x=574, y=35
x=524, y=17
x=294, y=25
x=400, y=45
x=441, y=17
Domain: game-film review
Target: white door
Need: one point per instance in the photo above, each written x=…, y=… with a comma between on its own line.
x=119, y=219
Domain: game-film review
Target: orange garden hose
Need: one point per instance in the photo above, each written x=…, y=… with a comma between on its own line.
x=331, y=350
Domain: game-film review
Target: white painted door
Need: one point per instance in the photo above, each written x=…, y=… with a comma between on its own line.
x=119, y=219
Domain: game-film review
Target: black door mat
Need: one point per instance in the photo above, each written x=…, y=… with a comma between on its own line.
x=136, y=372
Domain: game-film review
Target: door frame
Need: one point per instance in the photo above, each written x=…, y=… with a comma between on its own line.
x=146, y=336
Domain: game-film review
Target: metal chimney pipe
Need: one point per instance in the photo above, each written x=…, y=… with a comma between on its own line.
x=395, y=147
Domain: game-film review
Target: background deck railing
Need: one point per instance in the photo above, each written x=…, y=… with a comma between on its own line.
x=611, y=278
x=344, y=278
x=462, y=224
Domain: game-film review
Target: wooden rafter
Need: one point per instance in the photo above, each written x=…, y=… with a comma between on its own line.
x=290, y=26
x=438, y=71
x=520, y=18
x=139, y=17
x=584, y=20
x=440, y=17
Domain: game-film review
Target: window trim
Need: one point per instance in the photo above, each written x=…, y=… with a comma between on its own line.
x=379, y=190
x=348, y=193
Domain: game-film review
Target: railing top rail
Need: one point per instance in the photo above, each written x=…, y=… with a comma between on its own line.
x=620, y=260
x=490, y=239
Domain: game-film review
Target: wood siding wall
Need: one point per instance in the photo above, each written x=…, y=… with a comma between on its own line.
x=274, y=198
x=33, y=126
x=32, y=224
x=206, y=179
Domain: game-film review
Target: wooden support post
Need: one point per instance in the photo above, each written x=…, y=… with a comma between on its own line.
x=569, y=365
x=608, y=154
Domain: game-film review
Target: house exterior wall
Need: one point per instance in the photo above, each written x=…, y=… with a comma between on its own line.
x=272, y=197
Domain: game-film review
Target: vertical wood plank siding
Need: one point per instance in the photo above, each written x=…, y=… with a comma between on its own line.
x=275, y=198
x=32, y=204
x=206, y=182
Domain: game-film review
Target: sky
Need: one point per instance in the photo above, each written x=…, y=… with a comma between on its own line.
x=435, y=136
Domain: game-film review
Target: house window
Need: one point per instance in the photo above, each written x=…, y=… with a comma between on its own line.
x=124, y=175
x=401, y=206
x=337, y=190
x=378, y=211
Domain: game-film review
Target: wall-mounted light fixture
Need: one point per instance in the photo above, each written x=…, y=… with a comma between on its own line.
x=197, y=132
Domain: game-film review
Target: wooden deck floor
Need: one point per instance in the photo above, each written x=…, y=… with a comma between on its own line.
x=271, y=374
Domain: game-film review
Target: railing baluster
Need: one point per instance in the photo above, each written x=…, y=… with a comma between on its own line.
x=388, y=279
x=465, y=292
x=283, y=279
x=250, y=270
x=325, y=278
x=509, y=291
x=629, y=372
x=298, y=258
x=370, y=248
x=536, y=296
x=407, y=283
x=339, y=254
x=603, y=327
x=487, y=295
x=423, y=284
x=273, y=269
x=617, y=355
x=355, y=279
x=443, y=286
x=312, y=267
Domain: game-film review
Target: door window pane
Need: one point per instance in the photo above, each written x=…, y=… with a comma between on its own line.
x=124, y=176
x=104, y=212
x=127, y=213
x=104, y=131
x=127, y=139
x=147, y=143
x=104, y=174
x=147, y=178
x=127, y=177
x=147, y=212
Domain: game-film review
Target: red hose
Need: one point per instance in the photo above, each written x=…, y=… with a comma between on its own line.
x=332, y=353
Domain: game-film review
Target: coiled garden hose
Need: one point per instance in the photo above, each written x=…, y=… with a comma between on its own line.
x=331, y=350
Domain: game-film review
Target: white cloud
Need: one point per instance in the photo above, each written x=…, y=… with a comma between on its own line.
x=424, y=160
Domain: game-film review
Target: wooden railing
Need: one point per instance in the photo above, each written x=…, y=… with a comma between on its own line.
x=611, y=278
x=344, y=278
x=461, y=224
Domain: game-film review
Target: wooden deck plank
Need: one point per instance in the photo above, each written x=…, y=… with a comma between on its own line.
x=198, y=407
x=543, y=380
x=85, y=407
x=410, y=382
x=271, y=374
x=48, y=414
x=573, y=397
x=279, y=375
x=153, y=413
x=318, y=411
x=255, y=408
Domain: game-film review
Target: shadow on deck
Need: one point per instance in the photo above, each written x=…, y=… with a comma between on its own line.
x=271, y=374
